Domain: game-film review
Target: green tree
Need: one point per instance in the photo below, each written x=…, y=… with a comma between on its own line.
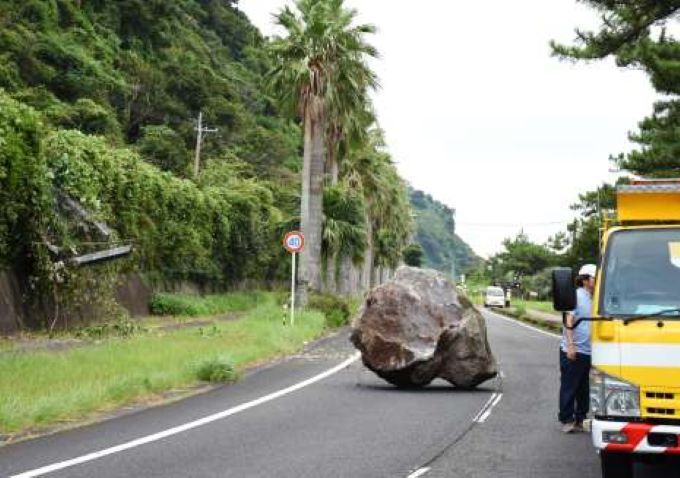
x=586, y=230
x=558, y=243
x=321, y=40
x=165, y=148
x=344, y=231
x=350, y=115
x=521, y=257
x=413, y=255
x=659, y=153
x=370, y=170
x=628, y=32
x=635, y=33
x=597, y=202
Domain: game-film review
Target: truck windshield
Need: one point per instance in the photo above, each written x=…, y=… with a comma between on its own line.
x=641, y=272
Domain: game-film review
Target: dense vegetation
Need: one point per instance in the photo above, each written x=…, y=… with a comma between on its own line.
x=98, y=102
x=443, y=249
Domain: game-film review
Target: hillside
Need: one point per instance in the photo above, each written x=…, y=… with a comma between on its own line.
x=138, y=72
x=436, y=233
x=98, y=104
x=98, y=109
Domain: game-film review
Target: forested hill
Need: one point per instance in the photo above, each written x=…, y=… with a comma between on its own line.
x=99, y=100
x=139, y=71
x=98, y=108
x=436, y=233
x=98, y=104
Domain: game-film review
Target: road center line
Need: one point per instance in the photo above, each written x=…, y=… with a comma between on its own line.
x=490, y=408
x=485, y=407
x=419, y=472
x=187, y=426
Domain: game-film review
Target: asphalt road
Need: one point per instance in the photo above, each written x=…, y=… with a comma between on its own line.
x=345, y=424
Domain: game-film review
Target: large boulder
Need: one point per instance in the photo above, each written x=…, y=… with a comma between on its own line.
x=417, y=327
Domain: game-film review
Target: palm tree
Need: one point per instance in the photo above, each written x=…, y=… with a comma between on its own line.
x=344, y=235
x=349, y=113
x=322, y=50
x=389, y=223
x=347, y=133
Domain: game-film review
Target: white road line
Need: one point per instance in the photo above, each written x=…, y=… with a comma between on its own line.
x=485, y=407
x=522, y=324
x=419, y=472
x=187, y=426
x=488, y=411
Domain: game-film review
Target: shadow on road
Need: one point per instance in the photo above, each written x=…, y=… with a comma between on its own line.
x=670, y=468
x=424, y=390
x=369, y=381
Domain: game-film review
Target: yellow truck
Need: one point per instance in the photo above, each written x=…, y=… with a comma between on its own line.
x=635, y=379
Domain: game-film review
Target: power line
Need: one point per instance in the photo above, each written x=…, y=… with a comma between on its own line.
x=516, y=225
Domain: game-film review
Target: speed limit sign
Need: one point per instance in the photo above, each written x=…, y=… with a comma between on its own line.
x=294, y=242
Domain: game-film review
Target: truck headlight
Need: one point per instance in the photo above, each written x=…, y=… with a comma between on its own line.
x=613, y=397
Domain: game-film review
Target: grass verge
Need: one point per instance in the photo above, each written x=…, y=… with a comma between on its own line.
x=180, y=305
x=42, y=388
x=541, y=306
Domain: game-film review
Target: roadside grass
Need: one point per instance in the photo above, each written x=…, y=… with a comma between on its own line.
x=6, y=345
x=41, y=388
x=541, y=306
x=180, y=305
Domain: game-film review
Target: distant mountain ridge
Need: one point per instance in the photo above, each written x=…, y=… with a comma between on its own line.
x=436, y=234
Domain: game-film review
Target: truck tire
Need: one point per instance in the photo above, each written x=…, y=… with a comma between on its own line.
x=616, y=465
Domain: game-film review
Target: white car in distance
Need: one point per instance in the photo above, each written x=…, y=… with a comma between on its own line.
x=494, y=297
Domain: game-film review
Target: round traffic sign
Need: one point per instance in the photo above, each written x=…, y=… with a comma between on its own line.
x=294, y=241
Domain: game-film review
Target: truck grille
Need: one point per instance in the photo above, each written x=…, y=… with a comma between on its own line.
x=660, y=395
x=661, y=411
x=661, y=403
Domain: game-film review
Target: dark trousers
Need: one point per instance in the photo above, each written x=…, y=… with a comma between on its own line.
x=574, y=388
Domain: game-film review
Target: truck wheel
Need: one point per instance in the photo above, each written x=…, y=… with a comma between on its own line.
x=616, y=465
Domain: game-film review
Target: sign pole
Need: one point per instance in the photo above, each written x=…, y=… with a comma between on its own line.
x=292, y=293
x=293, y=243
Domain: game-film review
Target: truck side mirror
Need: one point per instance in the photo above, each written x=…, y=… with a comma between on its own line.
x=564, y=290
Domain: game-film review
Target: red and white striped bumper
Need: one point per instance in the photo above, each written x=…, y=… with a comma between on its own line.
x=636, y=437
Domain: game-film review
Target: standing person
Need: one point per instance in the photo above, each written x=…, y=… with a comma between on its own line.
x=575, y=350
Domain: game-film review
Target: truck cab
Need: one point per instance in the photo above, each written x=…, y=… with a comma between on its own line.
x=635, y=379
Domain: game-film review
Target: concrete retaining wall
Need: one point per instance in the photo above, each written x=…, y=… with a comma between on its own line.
x=132, y=293
x=11, y=309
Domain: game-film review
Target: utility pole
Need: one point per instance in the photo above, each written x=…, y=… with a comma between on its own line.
x=199, y=139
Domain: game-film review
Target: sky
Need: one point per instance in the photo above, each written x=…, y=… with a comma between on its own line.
x=478, y=113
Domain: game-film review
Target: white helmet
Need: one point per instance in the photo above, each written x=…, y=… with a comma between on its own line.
x=588, y=270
